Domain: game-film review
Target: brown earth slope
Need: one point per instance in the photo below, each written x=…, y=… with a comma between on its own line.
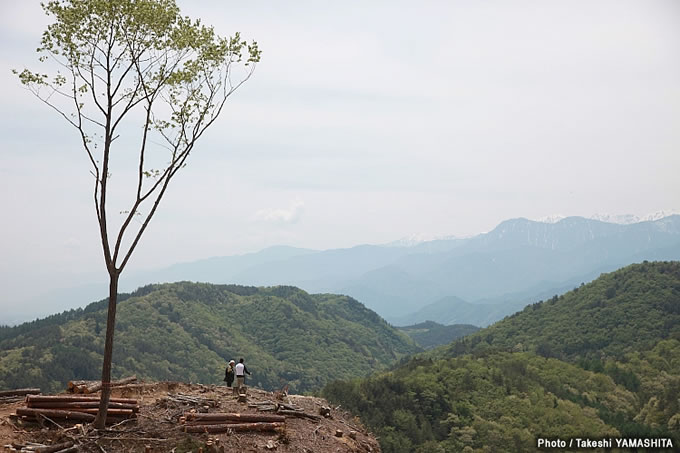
x=158, y=427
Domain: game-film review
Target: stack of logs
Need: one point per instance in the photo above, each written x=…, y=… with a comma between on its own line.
x=87, y=387
x=75, y=408
x=12, y=396
x=231, y=422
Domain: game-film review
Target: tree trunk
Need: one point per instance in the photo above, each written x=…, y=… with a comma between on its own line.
x=55, y=413
x=20, y=392
x=93, y=387
x=238, y=427
x=80, y=405
x=100, y=421
x=235, y=417
x=73, y=398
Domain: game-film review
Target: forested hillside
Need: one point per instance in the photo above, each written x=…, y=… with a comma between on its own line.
x=625, y=311
x=603, y=360
x=430, y=334
x=186, y=331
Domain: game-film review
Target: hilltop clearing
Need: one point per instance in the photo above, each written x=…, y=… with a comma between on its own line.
x=159, y=426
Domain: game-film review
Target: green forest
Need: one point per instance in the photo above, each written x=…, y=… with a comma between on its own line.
x=603, y=360
x=430, y=334
x=187, y=331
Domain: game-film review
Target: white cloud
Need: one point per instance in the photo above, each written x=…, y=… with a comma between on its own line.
x=282, y=215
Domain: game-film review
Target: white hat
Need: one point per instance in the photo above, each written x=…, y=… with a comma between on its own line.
x=231, y=361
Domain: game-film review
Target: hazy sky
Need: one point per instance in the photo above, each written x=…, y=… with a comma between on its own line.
x=366, y=122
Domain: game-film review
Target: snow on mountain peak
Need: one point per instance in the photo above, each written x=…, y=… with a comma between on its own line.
x=627, y=219
x=551, y=218
x=660, y=215
x=621, y=219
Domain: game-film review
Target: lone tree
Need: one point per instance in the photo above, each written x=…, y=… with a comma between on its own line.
x=116, y=64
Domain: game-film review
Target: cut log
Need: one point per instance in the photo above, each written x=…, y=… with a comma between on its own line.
x=73, y=398
x=20, y=392
x=289, y=407
x=55, y=413
x=300, y=414
x=97, y=386
x=75, y=386
x=235, y=417
x=209, y=422
x=265, y=408
x=54, y=448
x=260, y=403
x=191, y=399
x=134, y=386
x=11, y=399
x=237, y=427
x=111, y=412
x=72, y=384
x=93, y=388
x=79, y=405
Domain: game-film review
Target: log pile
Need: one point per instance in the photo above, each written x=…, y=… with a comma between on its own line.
x=88, y=387
x=231, y=422
x=220, y=422
x=285, y=409
x=12, y=396
x=300, y=414
x=75, y=408
x=264, y=406
x=191, y=400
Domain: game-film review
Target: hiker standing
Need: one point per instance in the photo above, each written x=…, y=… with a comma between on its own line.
x=241, y=371
x=229, y=373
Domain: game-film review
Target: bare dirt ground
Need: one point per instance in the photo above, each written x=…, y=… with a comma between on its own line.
x=158, y=426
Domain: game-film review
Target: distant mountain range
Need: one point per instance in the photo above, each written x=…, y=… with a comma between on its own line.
x=623, y=219
x=475, y=280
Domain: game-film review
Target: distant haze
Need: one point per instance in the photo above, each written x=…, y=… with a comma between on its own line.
x=367, y=122
x=476, y=280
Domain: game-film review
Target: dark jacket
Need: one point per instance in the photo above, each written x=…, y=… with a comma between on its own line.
x=229, y=375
